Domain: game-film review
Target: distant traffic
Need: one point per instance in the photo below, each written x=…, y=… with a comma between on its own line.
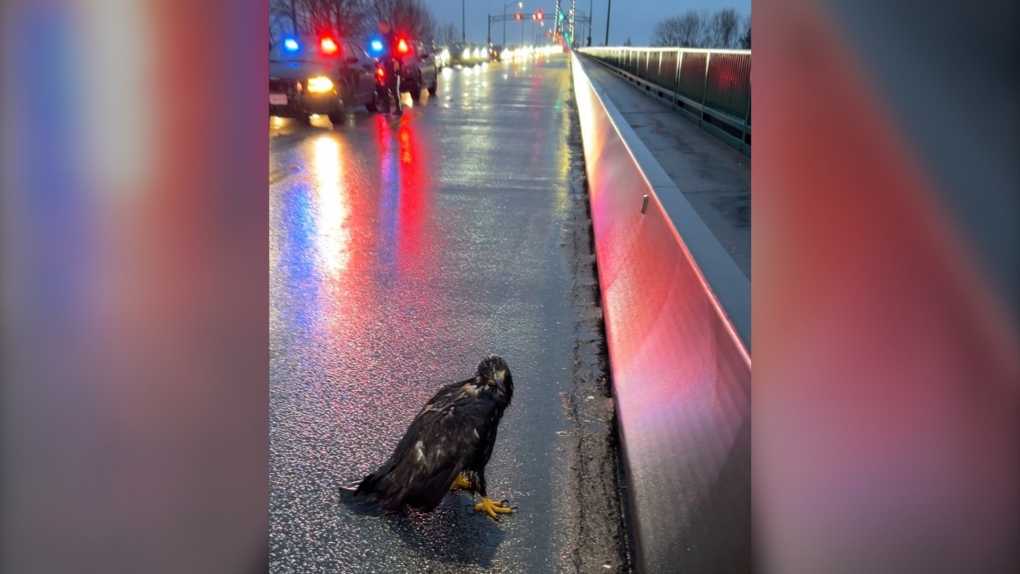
x=328, y=76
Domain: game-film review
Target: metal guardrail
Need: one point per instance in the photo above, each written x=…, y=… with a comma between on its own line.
x=677, y=313
x=712, y=87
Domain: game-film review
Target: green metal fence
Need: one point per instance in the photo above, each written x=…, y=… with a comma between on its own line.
x=713, y=87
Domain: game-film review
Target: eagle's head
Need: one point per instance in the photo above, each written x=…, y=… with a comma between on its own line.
x=494, y=376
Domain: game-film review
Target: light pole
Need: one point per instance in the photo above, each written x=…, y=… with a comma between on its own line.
x=519, y=5
x=463, y=32
x=590, y=14
x=609, y=7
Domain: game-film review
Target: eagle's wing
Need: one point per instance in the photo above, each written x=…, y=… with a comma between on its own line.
x=439, y=444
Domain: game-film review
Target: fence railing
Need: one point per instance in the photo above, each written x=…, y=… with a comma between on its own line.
x=713, y=87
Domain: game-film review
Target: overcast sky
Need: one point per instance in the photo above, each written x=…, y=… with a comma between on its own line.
x=630, y=18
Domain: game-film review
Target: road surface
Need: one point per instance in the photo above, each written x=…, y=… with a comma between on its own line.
x=402, y=251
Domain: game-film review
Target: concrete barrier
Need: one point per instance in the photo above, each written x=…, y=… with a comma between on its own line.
x=677, y=312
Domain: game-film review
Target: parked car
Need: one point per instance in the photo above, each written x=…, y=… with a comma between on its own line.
x=420, y=71
x=481, y=53
x=442, y=55
x=417, y=70
x=469, y=54
x=323, y=76
x=463, y=54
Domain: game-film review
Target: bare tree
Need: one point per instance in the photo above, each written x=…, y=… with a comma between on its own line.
x=447, y=34
x=666, y=32
x=699, y=29
x=745, y=33
x=354, y=19
x=344, y=18
x=723, y=29
x=411, y=17
x=280, y=22
x=685, y=30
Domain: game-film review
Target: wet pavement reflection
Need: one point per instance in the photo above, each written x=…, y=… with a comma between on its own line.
x=402, y=250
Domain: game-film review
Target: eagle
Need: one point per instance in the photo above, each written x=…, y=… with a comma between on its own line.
x=446, y=447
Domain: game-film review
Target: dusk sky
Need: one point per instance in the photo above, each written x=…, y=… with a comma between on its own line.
x=630, y=18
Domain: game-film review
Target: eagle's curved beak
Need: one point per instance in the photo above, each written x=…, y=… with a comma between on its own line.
x=498, y=378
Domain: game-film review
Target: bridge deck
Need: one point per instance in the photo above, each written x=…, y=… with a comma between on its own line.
x=713, y=176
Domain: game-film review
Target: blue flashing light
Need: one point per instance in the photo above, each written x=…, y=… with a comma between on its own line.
x=376, y=45
x=290, y=44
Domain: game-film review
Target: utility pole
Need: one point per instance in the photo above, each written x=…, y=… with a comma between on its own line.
x=463, y=23
x=590, y=14
x=520, y=4
x=573, y=18
x=293, y=16
x=609, y=7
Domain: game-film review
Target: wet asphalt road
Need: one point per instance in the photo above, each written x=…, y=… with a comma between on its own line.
x=403, y=250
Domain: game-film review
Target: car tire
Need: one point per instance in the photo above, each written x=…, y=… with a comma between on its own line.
x=374, y=105
x=434, y=85
x=382, y=99
x=415, y=89
x=336, y=117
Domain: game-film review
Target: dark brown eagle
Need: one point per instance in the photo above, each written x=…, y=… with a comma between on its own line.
x=447, y=446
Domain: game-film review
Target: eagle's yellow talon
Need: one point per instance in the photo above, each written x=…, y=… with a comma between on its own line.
x=492, y=507
x=460, y=482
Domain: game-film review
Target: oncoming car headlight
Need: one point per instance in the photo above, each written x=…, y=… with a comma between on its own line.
x=466, y=54
x=319, y=84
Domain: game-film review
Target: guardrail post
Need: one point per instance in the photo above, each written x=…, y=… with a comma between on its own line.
x=747, y=116
x=704, y=92
x=658, y=71
x=676, y=77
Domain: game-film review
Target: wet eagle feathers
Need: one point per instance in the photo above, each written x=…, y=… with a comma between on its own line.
x=453, y=434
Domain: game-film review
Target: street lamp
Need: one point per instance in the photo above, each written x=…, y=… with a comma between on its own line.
x=609, y=8
x=519, y=5
x=590, y=15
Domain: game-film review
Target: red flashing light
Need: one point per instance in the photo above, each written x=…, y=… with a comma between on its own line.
x=381, y=72
x=402, y=46
x=539, y=15
x=517, y=16
x=328, y=46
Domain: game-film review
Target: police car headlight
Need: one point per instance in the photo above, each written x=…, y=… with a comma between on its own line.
x=319, y=84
